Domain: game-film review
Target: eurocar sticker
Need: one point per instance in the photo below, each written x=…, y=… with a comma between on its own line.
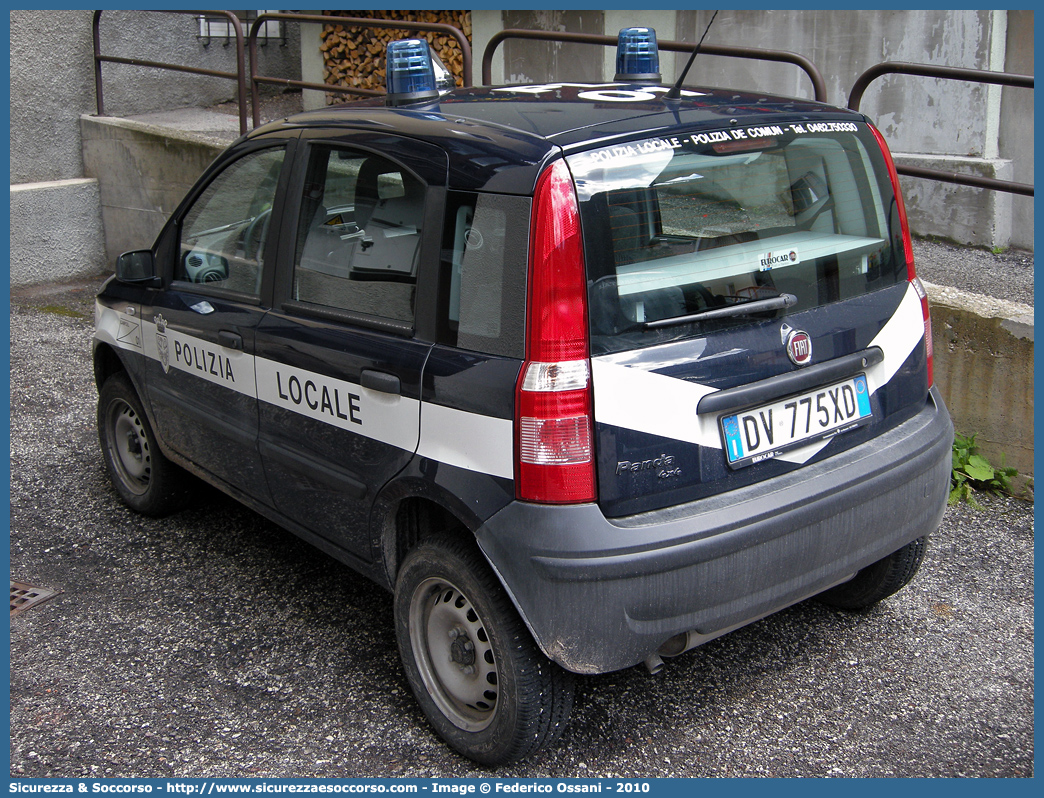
x=634, y=398
x=767, y=261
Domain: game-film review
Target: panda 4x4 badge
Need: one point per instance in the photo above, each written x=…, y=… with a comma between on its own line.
x=799, y=345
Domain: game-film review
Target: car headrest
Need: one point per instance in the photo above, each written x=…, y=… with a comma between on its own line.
x=371, y=189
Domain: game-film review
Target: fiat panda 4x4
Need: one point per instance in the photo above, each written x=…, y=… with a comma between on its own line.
x=587, y=375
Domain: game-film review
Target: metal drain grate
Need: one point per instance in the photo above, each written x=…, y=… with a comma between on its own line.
x=25, y=596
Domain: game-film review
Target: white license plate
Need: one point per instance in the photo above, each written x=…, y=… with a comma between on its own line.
x=767, y=431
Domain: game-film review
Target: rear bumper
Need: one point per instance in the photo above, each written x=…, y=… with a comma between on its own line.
x=600, y=594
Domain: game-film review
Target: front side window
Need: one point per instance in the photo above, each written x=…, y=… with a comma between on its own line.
x=675, y=227
x=223, y=233
x=359, y=234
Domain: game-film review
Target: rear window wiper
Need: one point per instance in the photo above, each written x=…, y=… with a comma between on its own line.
x=739, y=309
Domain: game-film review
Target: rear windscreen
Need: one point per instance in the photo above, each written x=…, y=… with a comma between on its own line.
x=681, y=231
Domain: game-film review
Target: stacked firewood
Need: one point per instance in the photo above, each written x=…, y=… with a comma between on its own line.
x=354, y=55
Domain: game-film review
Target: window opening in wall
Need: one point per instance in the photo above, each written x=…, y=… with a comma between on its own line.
x=219, y=28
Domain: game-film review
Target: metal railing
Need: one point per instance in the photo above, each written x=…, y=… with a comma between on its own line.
x=818, y=84
x=239, y=76
x=242, y=77
x=256, y=80
x=947, y=73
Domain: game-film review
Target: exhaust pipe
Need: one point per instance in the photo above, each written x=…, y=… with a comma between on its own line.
x=676, y=645
x=686, y=641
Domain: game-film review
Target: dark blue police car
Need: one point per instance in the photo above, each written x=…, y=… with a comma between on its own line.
x=587, y=375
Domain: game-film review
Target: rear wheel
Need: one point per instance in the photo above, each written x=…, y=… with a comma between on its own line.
x=146, y=480
x=878, y=580
x=473, y=666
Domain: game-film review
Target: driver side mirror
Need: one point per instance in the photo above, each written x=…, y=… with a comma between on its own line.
x=137, y=267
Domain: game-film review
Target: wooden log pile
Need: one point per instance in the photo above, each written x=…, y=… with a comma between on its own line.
x=354, y=55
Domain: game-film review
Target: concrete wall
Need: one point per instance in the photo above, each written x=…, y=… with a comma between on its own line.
x=56, y=232
x=984, y=370
x=1016, y=123
x=52, y=78
x=55, y=214
x=55, y=223
x=542, y=62
x=959, y=126
x=174, y=38
x=48, y=94
x=144, y=172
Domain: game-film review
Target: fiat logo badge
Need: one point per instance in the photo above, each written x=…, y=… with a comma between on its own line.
x=799, y=348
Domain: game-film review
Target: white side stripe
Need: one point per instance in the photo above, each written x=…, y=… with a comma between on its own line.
x=467, y=440
x=387, y=418
x=897, y=340
x=634, y=398
x=174, y=350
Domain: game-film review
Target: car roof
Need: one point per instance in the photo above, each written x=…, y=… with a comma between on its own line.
x=498, y=137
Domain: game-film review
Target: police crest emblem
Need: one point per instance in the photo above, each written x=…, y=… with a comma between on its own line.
x=161, y=343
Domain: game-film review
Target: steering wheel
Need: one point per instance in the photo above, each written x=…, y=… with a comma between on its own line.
x=256, y=232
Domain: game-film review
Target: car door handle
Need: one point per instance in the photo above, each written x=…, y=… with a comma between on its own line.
x=379, y=381
x=230, y=340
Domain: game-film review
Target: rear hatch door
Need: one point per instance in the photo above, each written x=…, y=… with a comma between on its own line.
x=750, y=306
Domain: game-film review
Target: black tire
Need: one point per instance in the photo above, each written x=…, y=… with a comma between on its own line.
x=146, y=480
x=878, y=580
x=472, y=664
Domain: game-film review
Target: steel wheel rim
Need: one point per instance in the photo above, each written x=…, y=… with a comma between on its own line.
x=454, y=654
x=132, y=455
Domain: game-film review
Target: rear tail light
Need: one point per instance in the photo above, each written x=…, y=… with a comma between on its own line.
x=911, y=272
x=554, y=460
x=919, y=288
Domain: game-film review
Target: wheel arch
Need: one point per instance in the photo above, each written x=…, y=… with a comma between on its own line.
x=109, y=360
x=411, y=510
x=106, y=363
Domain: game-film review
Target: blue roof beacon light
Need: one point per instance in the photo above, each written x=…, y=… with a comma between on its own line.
x=410, y=72
x=637, y=58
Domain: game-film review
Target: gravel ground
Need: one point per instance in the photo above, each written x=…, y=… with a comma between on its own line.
x=214, y=644
x=1002, y=275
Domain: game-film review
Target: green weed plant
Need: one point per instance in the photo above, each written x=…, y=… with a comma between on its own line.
x=972, y=472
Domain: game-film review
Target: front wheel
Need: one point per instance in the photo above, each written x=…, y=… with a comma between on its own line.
x=878, y=580
x=472, y=664
x=146, y=480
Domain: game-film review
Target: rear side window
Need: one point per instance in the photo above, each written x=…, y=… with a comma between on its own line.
x=484, y=266
x=677, y=226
